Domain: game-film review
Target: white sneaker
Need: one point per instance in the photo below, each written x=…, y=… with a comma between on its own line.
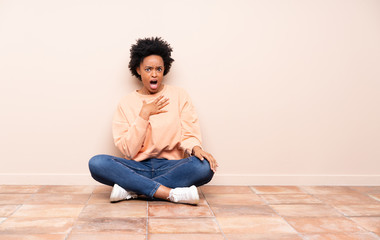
x=184, y=195
x=119, y=194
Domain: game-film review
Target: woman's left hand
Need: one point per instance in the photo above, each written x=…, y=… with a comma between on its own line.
x=199, y=153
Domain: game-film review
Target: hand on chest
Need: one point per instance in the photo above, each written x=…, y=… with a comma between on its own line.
x=165, y=121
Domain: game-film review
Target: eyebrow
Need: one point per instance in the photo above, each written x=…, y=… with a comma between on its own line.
x=152, y=67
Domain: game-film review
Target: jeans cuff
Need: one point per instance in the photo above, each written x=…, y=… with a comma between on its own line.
x=154, y=190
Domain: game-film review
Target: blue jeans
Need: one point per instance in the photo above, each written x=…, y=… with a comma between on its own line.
x=147, y=176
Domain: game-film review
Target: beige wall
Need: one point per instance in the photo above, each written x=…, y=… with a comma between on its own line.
x=287, y=92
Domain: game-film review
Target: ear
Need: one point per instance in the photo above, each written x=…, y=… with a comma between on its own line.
x=138, y=70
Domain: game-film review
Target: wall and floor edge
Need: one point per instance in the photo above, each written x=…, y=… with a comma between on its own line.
x=219, y=179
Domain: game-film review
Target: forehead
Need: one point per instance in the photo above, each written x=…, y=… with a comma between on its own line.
x=153, y=60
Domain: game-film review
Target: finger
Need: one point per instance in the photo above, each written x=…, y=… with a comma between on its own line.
x=161, y=111
x=158, y=99
x=215, y=162
x=212, y=161
x=163, y=101
x=212, y=165
x=199, y=155
x=205, y=155
x=162, y=106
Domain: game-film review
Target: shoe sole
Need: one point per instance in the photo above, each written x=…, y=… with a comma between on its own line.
x=115, y=200
x=196, y=197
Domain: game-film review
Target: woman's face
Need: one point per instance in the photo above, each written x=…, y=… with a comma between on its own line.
x=151, y=70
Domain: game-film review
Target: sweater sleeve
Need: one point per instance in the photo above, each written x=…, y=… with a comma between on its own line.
x=190, y=129
x=128, y=137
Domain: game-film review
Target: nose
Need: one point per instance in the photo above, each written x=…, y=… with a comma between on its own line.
x=154, y=73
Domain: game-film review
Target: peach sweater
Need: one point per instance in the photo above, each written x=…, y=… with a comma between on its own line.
x=166, y=135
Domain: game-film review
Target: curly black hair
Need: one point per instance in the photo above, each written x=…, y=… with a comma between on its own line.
x=150, y=46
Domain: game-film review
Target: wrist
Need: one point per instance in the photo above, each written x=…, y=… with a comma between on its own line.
x=144, y=115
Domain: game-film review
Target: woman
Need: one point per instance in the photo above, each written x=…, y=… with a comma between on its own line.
x=155, y=127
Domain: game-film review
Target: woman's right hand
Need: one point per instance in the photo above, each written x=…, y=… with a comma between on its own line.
x=155, y=107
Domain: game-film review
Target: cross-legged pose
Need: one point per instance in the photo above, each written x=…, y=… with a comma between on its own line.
x=156, y=129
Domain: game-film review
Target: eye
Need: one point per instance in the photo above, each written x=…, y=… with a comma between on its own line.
x=159, y=69
x=147, y=69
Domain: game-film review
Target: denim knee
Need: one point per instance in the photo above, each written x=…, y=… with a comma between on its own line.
x=97, y=163
x=203, y=169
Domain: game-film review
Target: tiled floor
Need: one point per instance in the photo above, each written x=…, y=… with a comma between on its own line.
x=225, y=212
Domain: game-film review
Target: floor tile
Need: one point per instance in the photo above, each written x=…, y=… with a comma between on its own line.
x=296, y=210
x=7, y=210
x=180, y=211
x=14, y=198
x=289, y=199
x=346, y=199
x=226, y=189
x=236, y=210
x=54, y=198
x=328, y=190
x=183, y=225
x=186, y=236
x=359, y=210
x=19, y=188
x=254, y=224
x=341, y=236
x=32, y=237
x=36, y=225
x=121, y=210
x=263, y=236
x=375, y=196
x=242, y=212
x=277, y=189
x=367, y=189
x=48, y=211
x=103, y=189
x=324, y=225
x=77, y=189
x=127, y=225
x=233, y=199
x=106, y=236
x=104, y=198
x=369, y=223
x=202, y=201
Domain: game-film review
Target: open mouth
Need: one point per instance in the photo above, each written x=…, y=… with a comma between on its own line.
x=153, y=84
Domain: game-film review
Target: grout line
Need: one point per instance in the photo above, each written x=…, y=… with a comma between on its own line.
x=374, y=235
x=20, y=204
x=33, y=194
x=303, y=235
x=298, y=233
x=367, y=194
x=77, y=218
x=213, y=214
x=253, y=190
x=40, y=188
x=329, y=205
x=267, y=203
x=147, y=221
x=373, y=197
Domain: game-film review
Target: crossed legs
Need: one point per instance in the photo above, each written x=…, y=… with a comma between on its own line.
x=154, y=178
